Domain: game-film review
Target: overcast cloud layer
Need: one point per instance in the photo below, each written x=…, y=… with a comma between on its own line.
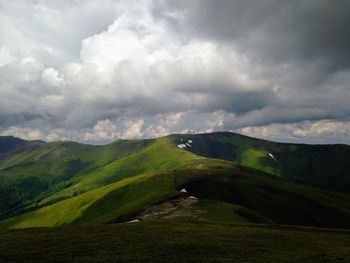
x=96, y=71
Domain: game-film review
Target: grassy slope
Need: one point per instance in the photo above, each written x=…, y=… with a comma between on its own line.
x=175, y=242
x=158, y=156
x=101, y=205
x=323, y=166
x=36, y=172
x=222, y=188
x=117, y=181
x=281, y=202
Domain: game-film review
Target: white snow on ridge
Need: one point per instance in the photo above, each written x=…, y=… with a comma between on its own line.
x=134, y=221
x=273, y=157
x=183, y=145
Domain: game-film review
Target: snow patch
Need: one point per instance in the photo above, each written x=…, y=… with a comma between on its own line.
x=181, y=146
x=134, y=221
x=273, y=157
x=184, y=144
x=183, y=190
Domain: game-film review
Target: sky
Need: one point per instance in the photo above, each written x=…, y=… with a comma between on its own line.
x=95, y=71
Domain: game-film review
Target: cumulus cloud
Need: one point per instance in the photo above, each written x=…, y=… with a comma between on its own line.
x=50, y=77
x=96, y=71
x=324, y=131
x=107, y=130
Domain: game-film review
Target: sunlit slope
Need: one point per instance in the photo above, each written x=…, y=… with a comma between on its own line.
x=122, y=199
x=324, y=166
x=161, y=155
x=30, y=173
x=55, y=171
x=103, y=205
x=226, y=194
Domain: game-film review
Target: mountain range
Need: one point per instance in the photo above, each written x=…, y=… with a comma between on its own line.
x=221, y=178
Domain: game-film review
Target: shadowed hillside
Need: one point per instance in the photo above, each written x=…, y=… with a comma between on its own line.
x=323, y=166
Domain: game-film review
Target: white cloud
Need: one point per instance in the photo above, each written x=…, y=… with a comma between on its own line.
x=24, y=133
x=324, y=131
x=133, y=130
x=50, y=77
x=101, y=70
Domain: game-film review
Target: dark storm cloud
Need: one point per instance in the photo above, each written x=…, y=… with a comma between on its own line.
x=280, y=30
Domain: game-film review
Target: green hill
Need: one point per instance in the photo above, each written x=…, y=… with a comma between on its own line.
x=61, y=183
x=323, y=166
x=221, y=189
x=33, y=173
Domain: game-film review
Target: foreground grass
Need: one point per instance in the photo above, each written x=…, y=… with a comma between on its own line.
x=174, y=242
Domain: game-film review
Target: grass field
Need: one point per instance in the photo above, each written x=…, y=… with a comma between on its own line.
x=175, y=242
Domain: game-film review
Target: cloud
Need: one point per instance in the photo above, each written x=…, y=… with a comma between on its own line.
x=324, y=131
x=272, y=29
x=50, y=77
x=95, y=71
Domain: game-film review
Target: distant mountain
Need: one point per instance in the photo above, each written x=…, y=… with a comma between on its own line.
x=217, y=177
x=10, y=145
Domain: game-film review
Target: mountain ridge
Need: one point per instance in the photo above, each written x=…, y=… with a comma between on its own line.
x=254, y=180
